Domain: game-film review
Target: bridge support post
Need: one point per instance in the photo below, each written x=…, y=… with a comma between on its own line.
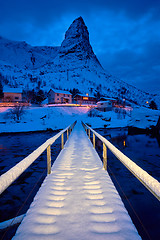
x=49, y=159
x=104, y=156
x=94, y=142
x=62, y=141
x=89, y=133
x=67, y=134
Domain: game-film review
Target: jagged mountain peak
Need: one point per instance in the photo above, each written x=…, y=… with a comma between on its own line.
x=77, y=30
x=77, y=41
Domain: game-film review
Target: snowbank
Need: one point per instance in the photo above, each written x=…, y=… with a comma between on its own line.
x=49, y=117
x=143, y=117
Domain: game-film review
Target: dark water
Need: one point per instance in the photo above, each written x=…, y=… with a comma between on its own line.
x=18, y=197
x=142, y=206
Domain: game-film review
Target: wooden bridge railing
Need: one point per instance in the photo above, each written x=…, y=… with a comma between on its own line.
x=11, y=175
x=147, y=180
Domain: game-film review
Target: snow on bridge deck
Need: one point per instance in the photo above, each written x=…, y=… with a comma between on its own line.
x=78, y=200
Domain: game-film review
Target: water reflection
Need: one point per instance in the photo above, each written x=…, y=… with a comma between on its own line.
x=158, y=139
x=2, y=148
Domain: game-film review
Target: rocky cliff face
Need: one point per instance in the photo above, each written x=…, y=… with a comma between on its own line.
x=77, y=41
x=71, y=65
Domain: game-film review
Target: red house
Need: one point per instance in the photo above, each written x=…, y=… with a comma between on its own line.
x=84, y=99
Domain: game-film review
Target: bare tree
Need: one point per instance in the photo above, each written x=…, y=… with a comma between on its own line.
x=16, y=112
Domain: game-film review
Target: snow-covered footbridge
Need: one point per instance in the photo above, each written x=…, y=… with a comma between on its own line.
x=77, y=200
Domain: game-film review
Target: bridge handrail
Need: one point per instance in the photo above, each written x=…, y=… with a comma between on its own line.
x=11, y=175
x=147, y=180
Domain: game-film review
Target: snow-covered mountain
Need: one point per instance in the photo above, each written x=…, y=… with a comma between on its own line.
x=71, y=65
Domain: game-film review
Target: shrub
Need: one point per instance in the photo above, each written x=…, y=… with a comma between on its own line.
x=16, y=112
x=153, y=105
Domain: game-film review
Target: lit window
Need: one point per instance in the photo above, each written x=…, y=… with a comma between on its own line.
x=85, y=98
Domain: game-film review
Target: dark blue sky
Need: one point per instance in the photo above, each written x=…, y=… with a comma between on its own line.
x=125, y=35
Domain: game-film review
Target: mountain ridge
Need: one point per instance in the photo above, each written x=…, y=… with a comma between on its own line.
x=71, y=65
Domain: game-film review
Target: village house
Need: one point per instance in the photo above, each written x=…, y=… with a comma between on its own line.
x=108, y=99
x=59, y=96
x=104, y=106
x=12, y=94
x=84, y=99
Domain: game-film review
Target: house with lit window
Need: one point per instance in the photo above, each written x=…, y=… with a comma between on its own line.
x=84, y=99
x=104, y=106
x=12, y=94
x=59, y=96
x=108, y=99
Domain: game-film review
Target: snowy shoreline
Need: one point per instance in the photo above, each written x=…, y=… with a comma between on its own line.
x=53, y=130
x=40, y=119
x=29, y=132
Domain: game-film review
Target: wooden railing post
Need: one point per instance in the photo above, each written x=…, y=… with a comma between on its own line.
x=104, y=156
x=94, y=142
x=62, y=141
x=89, y=133
x=67, y=134
x=49, y=159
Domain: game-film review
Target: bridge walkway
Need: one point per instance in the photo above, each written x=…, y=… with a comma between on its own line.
x=78, y=200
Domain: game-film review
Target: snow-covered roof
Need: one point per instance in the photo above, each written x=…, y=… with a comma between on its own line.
x=103, y=102
x=60, y=91
x=84, y=95
x=108, y=98
x=7, y=89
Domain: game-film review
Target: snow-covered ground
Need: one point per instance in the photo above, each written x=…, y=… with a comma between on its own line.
x=144, y=117
x=77, y=200
x=46, y=117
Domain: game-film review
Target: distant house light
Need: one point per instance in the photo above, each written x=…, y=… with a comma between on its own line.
x=87, y=94
x=85, y=98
